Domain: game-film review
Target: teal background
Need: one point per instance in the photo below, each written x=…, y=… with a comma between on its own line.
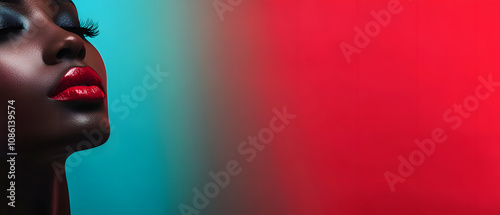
x=152, y=160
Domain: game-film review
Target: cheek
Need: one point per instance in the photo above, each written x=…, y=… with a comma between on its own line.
x=23, y=72
x=23, y=78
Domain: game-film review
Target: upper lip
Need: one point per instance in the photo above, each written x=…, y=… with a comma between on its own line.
x=78, y=76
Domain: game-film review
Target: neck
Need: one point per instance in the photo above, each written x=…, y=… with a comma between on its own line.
x=40, y=185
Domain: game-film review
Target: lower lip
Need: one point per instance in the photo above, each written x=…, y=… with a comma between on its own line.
x=81, y=93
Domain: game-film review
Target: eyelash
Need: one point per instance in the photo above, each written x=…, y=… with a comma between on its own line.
x=14, y=28
x=87, y=28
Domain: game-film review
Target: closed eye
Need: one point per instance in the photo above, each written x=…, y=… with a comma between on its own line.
x=88, y=28
x=14, y=28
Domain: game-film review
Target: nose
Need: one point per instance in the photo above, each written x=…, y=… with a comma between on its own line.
x=62, y=45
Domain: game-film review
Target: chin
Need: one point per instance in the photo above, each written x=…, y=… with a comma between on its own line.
x=67, y=129
x=86, y=129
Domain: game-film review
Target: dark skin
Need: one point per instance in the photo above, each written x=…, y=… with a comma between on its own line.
x=32, y=62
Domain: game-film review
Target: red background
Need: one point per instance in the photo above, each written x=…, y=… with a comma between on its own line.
x=355, y=119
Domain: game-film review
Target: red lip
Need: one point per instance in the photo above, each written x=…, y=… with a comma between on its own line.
x=79, y=84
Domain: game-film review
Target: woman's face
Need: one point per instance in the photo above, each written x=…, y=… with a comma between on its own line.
x=56, y=77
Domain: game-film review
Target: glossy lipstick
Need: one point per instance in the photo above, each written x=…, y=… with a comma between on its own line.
x=79, y=84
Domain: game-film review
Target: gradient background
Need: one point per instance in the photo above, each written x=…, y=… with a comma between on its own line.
x=353, y=122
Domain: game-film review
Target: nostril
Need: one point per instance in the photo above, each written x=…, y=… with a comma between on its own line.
x=81, y=54
x=65, y=47
x=62, y=53
x=69, y=53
